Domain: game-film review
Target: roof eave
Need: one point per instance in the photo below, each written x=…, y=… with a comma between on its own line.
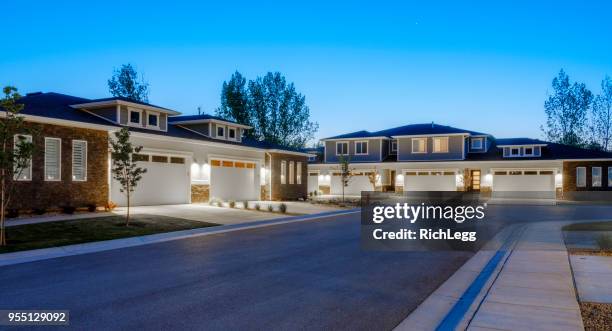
x=210, y=120
x=106, y=103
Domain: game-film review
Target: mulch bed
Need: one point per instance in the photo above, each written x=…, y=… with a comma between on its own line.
x=596, y=316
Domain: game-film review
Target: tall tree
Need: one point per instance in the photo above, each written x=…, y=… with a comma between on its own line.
x=125, y=83
x=234, y=101
x=601, y=116
x=16, y=152
x=125, y=168
x=566, y=110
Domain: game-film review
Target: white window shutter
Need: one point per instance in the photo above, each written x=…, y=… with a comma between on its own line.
x=52, y=158
x=79, y=160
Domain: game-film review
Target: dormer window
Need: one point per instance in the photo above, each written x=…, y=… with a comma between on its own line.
x=135, y=117
x=476, y=143
x=153, y=120
x=220, y=131
x=528, y=151
x=231, y=132
x=515, y=151
x=393, y=146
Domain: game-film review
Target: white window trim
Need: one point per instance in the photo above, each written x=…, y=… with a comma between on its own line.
x=129, y=119
x=593, y=177
x=29, y=139
x=235, y=133
x=433, y=143
x=391, y=149
x=525, y=151
x=517, y=154
x=347, y=147
x=156, y=114
x=367, y=145
x=59, y=164
x=217, y=132
x=577, y=177
x=84, y=163
x=291, y=172
x=609, y=176
x=479, y=139
x=283, y=175
x=298, y=170
x=424, y=140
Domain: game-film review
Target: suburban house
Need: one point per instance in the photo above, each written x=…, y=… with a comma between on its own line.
x=433, y=157
x=188, y=158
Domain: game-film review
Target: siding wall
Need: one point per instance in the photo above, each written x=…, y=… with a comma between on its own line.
x=455, y=150
x=372, y=156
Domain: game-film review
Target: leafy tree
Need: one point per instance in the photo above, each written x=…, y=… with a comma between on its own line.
x=15, y=156
x=345, y=172
x=234, y=100
x=275, y=110
x=566, y=110
x=601, y=116
x=125, y=83
x=124, y=168
x=373, y=177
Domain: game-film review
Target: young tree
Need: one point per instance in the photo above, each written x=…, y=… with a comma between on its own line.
x=601, y=116
x=124, y=168
x=373, y=177
x=125, y=83
x=345, y=172
x=234, y=100
x=566, y=110
x=16, y=150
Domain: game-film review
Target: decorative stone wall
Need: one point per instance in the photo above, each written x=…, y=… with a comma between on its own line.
x=200, y=193
x=39, y=193
x=325, y=189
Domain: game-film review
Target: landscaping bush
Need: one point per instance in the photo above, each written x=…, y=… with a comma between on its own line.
x=232, y=204
x=245, y=204
x=270, y=208
x=12, y=213
x=39, y=211
x=604, y=242
x=68, y=209
x=219, y=203
x=92, y=207
x=110, y=206
x=282, y=208
x=257, y=206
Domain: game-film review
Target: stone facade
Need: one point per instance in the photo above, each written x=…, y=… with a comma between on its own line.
x=200, y=193
x=287, y=191
x=38, y=193
x=325, y=189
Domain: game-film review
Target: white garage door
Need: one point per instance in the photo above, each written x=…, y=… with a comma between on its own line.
x=523, y=181
x=166, y=182
x=313, y=181
x=425, y=180
x=233, y=180
x=357, y=183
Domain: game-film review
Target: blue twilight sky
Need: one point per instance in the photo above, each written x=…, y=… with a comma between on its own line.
x=479, y=65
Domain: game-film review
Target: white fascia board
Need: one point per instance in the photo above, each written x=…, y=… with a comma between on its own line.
x=210, y=120
x=287, y=152
x=451, y=162
x=522, y=145
x=358, y=138
x=431, y=135
x=100, y=104
x=57, y=121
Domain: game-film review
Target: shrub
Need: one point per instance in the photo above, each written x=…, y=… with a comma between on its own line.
x=12, y=213
x=219, y=203
x=270, y=208
x=110, y=206
x=68, y=209
x=283, y=208
x=245, y=204
x=315, y=193
x=232, y=204
x=604, y=242
x=39, y=210
x=92, y=207
x=257, y=206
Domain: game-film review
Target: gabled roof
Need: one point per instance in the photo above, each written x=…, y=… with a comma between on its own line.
x=203, y=118
x=407, y=130
x=357, y=134
x=552, y=151
x=519, y=141
x=112, y=101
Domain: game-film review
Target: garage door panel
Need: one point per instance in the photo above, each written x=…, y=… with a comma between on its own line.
x=523, y=183
x=233, y=181
x=355, y=186
x=430, y=183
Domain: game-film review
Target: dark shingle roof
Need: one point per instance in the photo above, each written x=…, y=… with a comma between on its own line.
x=408, y=130
x=197, y=117
x=127, y=100
x=519, y=141
x=552, y=151
x=356, y=134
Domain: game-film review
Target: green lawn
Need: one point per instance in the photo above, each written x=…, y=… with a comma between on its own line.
x=591, y=226
x=52, y=234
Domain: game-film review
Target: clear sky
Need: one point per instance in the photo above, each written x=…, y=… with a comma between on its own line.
x=484, y=66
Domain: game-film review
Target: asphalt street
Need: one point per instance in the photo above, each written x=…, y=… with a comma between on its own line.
x=310, y=274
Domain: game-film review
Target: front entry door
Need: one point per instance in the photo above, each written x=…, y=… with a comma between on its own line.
x=476, y=180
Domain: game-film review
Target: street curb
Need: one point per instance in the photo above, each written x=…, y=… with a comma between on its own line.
x=7, y=259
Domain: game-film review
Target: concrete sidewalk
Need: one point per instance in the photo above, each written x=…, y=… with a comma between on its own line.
x=529, y=288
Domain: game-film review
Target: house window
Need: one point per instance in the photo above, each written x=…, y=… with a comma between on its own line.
x=609, y=176
x=596, y=176
x=515, y=151
x=135, y=117
x=79, y=160
x=177, y=160
x=440, y=144
x=298, y=170
x=419, y=145
x=159, y=158
x=580, y=177
x=26, y=173
x=53, y=152
x=153, y=120
x=283, y=172
x=361, y=148
x=231, y=132
x=312, y=157
x=477, y=143
x=291, y=170
x=220, y=131
x=393, y=146
x=140, y=157
x=341, y=148
x=528, y=151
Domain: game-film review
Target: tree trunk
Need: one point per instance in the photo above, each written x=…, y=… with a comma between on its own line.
x=127, y=219
x=2, y=213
